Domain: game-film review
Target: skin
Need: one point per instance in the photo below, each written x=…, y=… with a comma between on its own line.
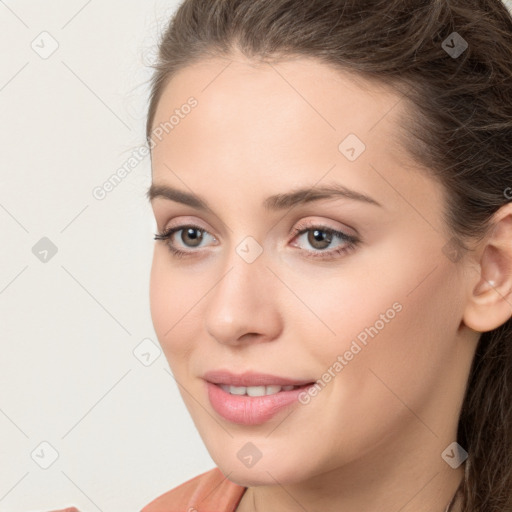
x=372, y=439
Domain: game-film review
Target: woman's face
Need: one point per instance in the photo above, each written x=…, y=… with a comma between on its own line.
x=374, y=315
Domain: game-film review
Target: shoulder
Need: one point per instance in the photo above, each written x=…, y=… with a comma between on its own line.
x=208, y=492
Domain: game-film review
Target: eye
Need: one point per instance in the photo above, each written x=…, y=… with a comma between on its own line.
x=321, y=237
x=191, y=236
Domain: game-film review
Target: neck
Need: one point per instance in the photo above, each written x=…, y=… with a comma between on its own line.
x=259, y=500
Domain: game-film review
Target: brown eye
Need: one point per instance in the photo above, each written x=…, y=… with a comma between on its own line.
x=190, y=236
x=319, y=239
x=185, y=236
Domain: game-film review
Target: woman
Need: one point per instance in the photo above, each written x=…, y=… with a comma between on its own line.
x=331, y=185
x=332, y=273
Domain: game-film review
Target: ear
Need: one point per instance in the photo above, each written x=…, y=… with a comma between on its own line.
x=489, y=303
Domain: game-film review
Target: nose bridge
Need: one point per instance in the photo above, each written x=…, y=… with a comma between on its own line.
x=243, y=300
x=243, y=277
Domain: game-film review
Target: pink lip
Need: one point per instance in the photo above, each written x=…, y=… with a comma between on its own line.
x=251, y=379
x=251, y=410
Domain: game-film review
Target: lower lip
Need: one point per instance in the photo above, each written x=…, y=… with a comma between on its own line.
x=251, y=410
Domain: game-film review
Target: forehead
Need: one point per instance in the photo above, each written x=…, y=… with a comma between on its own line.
x=294, y=99
x=237, y=90
x=270, y=126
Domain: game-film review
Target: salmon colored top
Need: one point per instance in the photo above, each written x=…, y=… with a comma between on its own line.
x=208, y=492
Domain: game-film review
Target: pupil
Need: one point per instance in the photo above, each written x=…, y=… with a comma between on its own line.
x=192, y=234
x=320, y=236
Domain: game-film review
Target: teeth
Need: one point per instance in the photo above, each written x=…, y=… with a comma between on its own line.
x=269, y=390
x=255, y=390
x=235, y=390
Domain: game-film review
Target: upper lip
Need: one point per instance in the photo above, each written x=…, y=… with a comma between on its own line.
x=250, y=378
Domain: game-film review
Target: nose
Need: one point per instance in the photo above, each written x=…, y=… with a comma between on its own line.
x=243, y=305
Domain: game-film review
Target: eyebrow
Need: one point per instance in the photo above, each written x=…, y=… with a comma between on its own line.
x=272, y=203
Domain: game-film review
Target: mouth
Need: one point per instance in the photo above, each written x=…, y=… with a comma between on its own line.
x=252, y=399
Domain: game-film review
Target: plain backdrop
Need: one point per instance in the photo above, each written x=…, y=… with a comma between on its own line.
x=89, y=413
x=88, y=416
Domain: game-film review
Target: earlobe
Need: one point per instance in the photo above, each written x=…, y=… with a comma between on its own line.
x=490, y=300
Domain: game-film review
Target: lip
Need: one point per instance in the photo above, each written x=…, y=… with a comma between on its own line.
x=250, y=378
x=251, y=410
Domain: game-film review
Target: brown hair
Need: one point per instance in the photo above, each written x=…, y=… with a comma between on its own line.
x=458, y=125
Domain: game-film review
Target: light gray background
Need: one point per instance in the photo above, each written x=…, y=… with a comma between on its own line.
x=68, y=372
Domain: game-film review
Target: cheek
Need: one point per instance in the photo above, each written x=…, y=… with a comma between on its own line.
x=172, y=299
x=399, y=357
x=159, y=297
x=399, y=318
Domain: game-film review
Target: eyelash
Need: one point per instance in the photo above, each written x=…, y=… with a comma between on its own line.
x=351, y=241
